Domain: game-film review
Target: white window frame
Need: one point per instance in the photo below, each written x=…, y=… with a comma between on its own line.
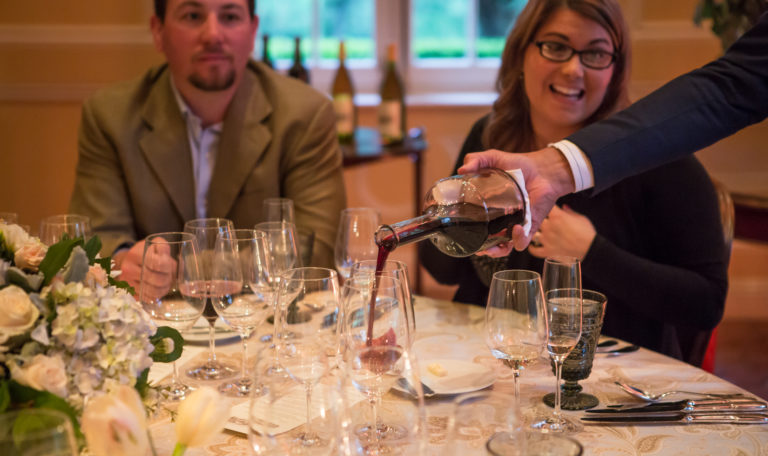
x=421, y=77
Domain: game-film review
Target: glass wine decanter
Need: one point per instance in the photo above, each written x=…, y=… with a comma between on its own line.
x=465, y=214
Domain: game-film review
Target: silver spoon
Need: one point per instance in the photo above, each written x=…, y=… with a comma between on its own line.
x=647, y=396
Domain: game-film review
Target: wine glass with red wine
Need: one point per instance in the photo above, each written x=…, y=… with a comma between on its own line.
x=376, y=333
x=206, y=231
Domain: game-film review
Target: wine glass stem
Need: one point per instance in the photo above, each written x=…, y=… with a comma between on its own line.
x=308, y=431
x=175, y=379
x=244, y=375
x=558, y=374
x=515, y=376
x=212, y=343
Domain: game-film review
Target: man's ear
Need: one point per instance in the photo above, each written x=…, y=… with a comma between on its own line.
x=156, y=26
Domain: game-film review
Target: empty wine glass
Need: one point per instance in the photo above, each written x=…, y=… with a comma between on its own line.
x=399, y=270
x=206, y=230
x=172, y=289
x=240, y=293
x=308, y=302
x=280, y=416
x=37, y=432
x=355, y=238
x=284, y=255
x=55, y=227
x=278, y=210
x=562, y=294
x=515, y=320
x=475, y=415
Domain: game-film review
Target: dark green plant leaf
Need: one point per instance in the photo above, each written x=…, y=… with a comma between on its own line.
x=5, y=254
x=122, y=284
x=57, y=257
x=26, y=396
x=160, y=354
x=92, y=248
x=5, y=395
x=142, y=383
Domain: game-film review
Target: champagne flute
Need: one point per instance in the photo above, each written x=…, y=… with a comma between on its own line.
x=239, y=279
x=355, y=238
x=375, y=318
x=172, y=289
x=562, y=294
x=283, y=255
x=205, y=231
x=278, y=210
x=398, y=270
x=308, y=302
x=515, y=320
x=55, y=227
x=37, y=432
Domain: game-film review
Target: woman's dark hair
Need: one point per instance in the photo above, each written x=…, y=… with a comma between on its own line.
x=160, y=7
x=509, y=126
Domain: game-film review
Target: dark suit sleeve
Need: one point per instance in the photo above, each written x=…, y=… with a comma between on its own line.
x=685, y=115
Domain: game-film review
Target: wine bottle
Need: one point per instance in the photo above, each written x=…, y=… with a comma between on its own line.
x=463, y=215
x=343, y=93
x=392, y=107
x=297, y=70
x=265, y=52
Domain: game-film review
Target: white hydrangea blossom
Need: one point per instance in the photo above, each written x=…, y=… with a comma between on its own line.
x=101, y=334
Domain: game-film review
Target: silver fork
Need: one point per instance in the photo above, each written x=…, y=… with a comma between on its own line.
x=647, y=396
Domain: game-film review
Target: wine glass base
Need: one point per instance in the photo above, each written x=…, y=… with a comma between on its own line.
x=556, y=426
x=239, y=388
x=213, y=370
x=384, y=431
x=311, y=440
x=504, y=443
x=175, y=391
x=579, y=401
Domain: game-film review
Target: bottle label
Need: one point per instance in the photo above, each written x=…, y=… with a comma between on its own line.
x=345, y=114
x=390, y=113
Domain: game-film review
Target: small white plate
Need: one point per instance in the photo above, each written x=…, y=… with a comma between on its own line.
x=198, y=334
x=461, y=376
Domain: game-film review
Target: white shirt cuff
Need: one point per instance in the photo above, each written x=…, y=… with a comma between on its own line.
x=581, y=168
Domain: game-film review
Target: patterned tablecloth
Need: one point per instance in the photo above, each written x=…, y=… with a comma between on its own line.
x=448, y=330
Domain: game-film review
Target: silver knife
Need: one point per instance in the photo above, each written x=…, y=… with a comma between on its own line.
x=678, y=418
x=691, y=406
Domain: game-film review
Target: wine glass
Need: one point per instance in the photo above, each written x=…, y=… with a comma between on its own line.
x=374, y=370
x=481, y=413
x=172, y=289
x=206, y=231
x=283, y=255
x=240, y=293
x=55, y=227
x=375, y=316
x=398, y=270
x=308, y=303
x=277, y=422
x=355, y=238
x=278, y=210
x=562, y=295
x=37, y=432
x=515, y=322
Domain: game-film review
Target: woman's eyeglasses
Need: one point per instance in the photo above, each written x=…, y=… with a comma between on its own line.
x=596, y=59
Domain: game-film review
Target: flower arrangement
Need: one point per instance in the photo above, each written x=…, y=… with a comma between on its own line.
x=69, y=332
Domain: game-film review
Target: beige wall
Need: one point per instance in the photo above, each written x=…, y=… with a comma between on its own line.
x=55, y=53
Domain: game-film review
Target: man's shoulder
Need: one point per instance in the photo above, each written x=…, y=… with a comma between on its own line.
x=284, y=92
x=125, y=93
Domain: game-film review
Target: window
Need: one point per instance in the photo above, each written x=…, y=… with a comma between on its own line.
x=443, y=45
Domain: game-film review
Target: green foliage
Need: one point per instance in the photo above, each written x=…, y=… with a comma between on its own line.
x=57, y=257
x=5, y=252
x=26, y=396
x=161, y=354
x=729, y=18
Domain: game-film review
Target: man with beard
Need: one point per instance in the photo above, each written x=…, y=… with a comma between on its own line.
x=210, y=133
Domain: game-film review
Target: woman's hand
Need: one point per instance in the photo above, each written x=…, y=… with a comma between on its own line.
x=563, y=232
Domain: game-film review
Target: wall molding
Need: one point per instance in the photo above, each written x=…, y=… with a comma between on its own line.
x=47, y=92
x=75, y=34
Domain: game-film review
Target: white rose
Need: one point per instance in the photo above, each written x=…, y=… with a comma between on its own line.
x=116, y=425
x=44, y=373
x=15, y=236
x=17, y=312
x=29, y=255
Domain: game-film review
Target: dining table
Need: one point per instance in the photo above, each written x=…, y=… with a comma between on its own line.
x=447, y=331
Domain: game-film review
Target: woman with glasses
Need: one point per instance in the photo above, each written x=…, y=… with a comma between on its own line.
x=653, y=246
